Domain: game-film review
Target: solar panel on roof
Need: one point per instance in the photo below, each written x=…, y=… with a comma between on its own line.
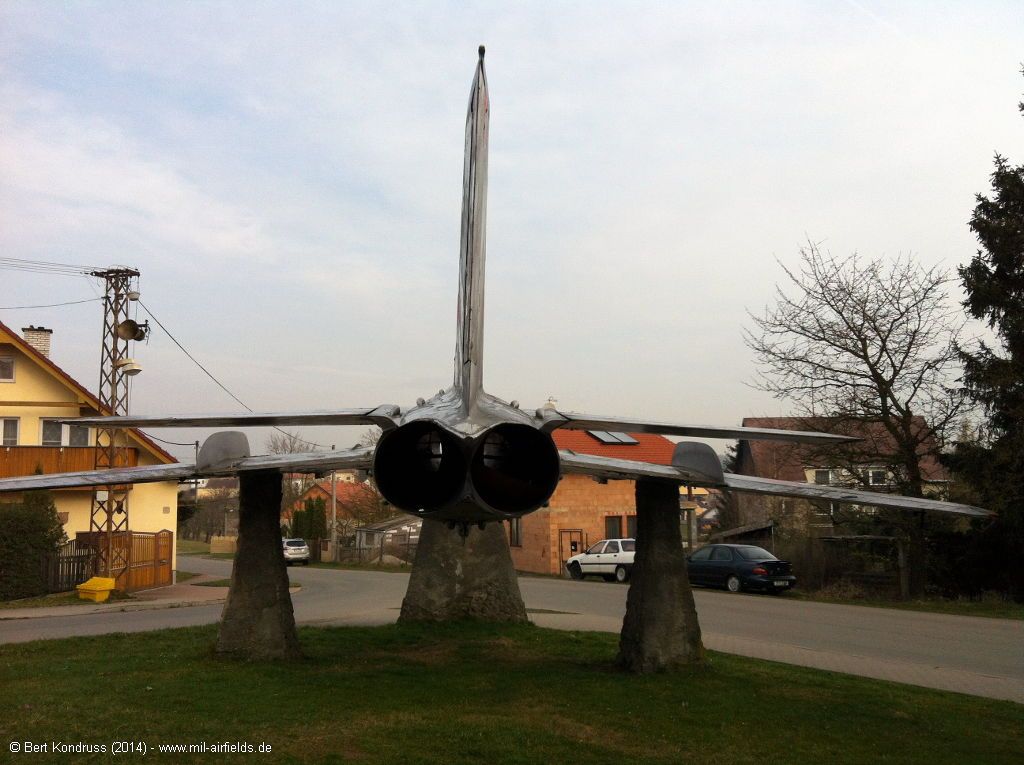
x=613, y=438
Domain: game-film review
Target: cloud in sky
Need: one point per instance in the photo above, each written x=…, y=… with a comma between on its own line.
x=288, y=181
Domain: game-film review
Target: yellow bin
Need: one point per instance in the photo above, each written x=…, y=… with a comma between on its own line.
x=96, y=589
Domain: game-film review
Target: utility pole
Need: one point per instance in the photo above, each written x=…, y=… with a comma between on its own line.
x=334, y=514
x=108, y=522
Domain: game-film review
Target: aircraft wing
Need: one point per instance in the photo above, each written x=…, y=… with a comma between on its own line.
x=611, y=468
x=573, y=421
x=383, y=416
x=360, y=458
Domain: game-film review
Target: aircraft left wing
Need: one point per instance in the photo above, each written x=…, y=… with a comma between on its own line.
x=359, y=458
x=611, y=468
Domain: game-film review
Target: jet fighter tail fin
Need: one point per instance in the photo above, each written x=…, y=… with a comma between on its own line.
x=469, y=350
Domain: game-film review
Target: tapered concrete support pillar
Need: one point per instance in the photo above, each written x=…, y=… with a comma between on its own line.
x=258, y=621
x=455, y=578
x=660, y=630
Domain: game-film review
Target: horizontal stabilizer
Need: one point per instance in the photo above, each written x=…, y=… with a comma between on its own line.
x=382, y=416
x=571, y=421
x=314, y=462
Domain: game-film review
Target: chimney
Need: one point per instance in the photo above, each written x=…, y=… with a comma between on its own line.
x=38, y=338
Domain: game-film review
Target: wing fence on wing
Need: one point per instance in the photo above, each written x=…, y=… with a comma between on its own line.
x=611, y=468
x=314, y=462
x=571, y=421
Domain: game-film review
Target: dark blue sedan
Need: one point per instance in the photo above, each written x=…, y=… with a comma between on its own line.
x=739, y=567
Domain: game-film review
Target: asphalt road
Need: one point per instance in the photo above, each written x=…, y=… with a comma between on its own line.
x=968, y=654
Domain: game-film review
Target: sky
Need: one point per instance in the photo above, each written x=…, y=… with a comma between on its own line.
x=287, y=179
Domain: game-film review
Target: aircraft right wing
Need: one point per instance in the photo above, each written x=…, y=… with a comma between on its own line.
x=695, y=472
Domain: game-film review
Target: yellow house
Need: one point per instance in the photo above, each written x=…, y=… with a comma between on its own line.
x=33, y=393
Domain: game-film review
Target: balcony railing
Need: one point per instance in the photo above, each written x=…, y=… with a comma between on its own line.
x=25, y=460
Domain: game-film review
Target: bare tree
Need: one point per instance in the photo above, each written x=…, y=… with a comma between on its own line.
x=866, y=341
x=293, y=485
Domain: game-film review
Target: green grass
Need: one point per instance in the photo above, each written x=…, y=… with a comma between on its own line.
x=991, y=607
x=215, y=583
x=192, y=547
x=184, y=576
x=364, y=567
x=60, y=599
x=479, y=694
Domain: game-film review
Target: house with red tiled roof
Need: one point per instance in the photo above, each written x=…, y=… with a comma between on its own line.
x=356, y=502
x=868, y=463
x=583, y=511
x=34, y=394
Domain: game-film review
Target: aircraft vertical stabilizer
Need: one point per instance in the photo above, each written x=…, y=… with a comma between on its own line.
x=469, y=351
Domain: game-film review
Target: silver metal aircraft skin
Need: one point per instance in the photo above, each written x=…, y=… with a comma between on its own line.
x=465, y=456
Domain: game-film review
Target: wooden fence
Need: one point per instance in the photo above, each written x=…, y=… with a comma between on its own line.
x=148, y=554
x=71, y=564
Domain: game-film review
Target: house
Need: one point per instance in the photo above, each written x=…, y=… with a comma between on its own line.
x=868, y=463
x=402, y=531
x=583, y=511
x=34, y=391
x=355, y=501
x=826, y=541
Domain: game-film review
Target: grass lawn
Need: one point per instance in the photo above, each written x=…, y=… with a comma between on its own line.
x=183, y=576
x=990, y=607
x=456, y=694
x=215, y=583
x=59, y=599
x=192, y=547
x=364, y=567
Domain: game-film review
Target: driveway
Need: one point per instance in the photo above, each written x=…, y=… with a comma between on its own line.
x=980, y=656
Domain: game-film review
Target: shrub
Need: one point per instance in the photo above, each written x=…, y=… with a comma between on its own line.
x=28, y=531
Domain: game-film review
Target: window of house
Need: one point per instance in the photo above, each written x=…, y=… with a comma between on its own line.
x=631, y=526
x=52, y=432
x=877, y=477
x=822, y=476
x=78, y=435
x=515, y=532
x=10, y=431
x=6, y=369
x=57, y=434
x=613, y=526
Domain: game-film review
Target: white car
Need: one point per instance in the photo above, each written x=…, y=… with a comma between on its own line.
x=610, y=558
x=295, y=551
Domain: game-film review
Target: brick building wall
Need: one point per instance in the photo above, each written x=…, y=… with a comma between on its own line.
x=579, y=503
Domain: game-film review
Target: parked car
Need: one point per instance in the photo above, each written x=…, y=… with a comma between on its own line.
x=739, y=567
x=295, y=551
x=609, y=558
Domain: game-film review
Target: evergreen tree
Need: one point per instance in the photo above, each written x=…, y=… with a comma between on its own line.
x=994, y=376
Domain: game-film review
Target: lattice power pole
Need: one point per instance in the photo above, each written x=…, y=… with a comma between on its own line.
x=109, y=520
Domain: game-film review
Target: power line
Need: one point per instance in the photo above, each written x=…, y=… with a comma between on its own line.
x=48, y=305
x=46, y=266
x=215, y=380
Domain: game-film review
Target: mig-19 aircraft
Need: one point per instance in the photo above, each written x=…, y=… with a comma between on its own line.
x=465, y=456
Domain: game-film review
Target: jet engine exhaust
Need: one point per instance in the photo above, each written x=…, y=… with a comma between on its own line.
x=420, y=466
x=515, y=468
x=425, y=469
